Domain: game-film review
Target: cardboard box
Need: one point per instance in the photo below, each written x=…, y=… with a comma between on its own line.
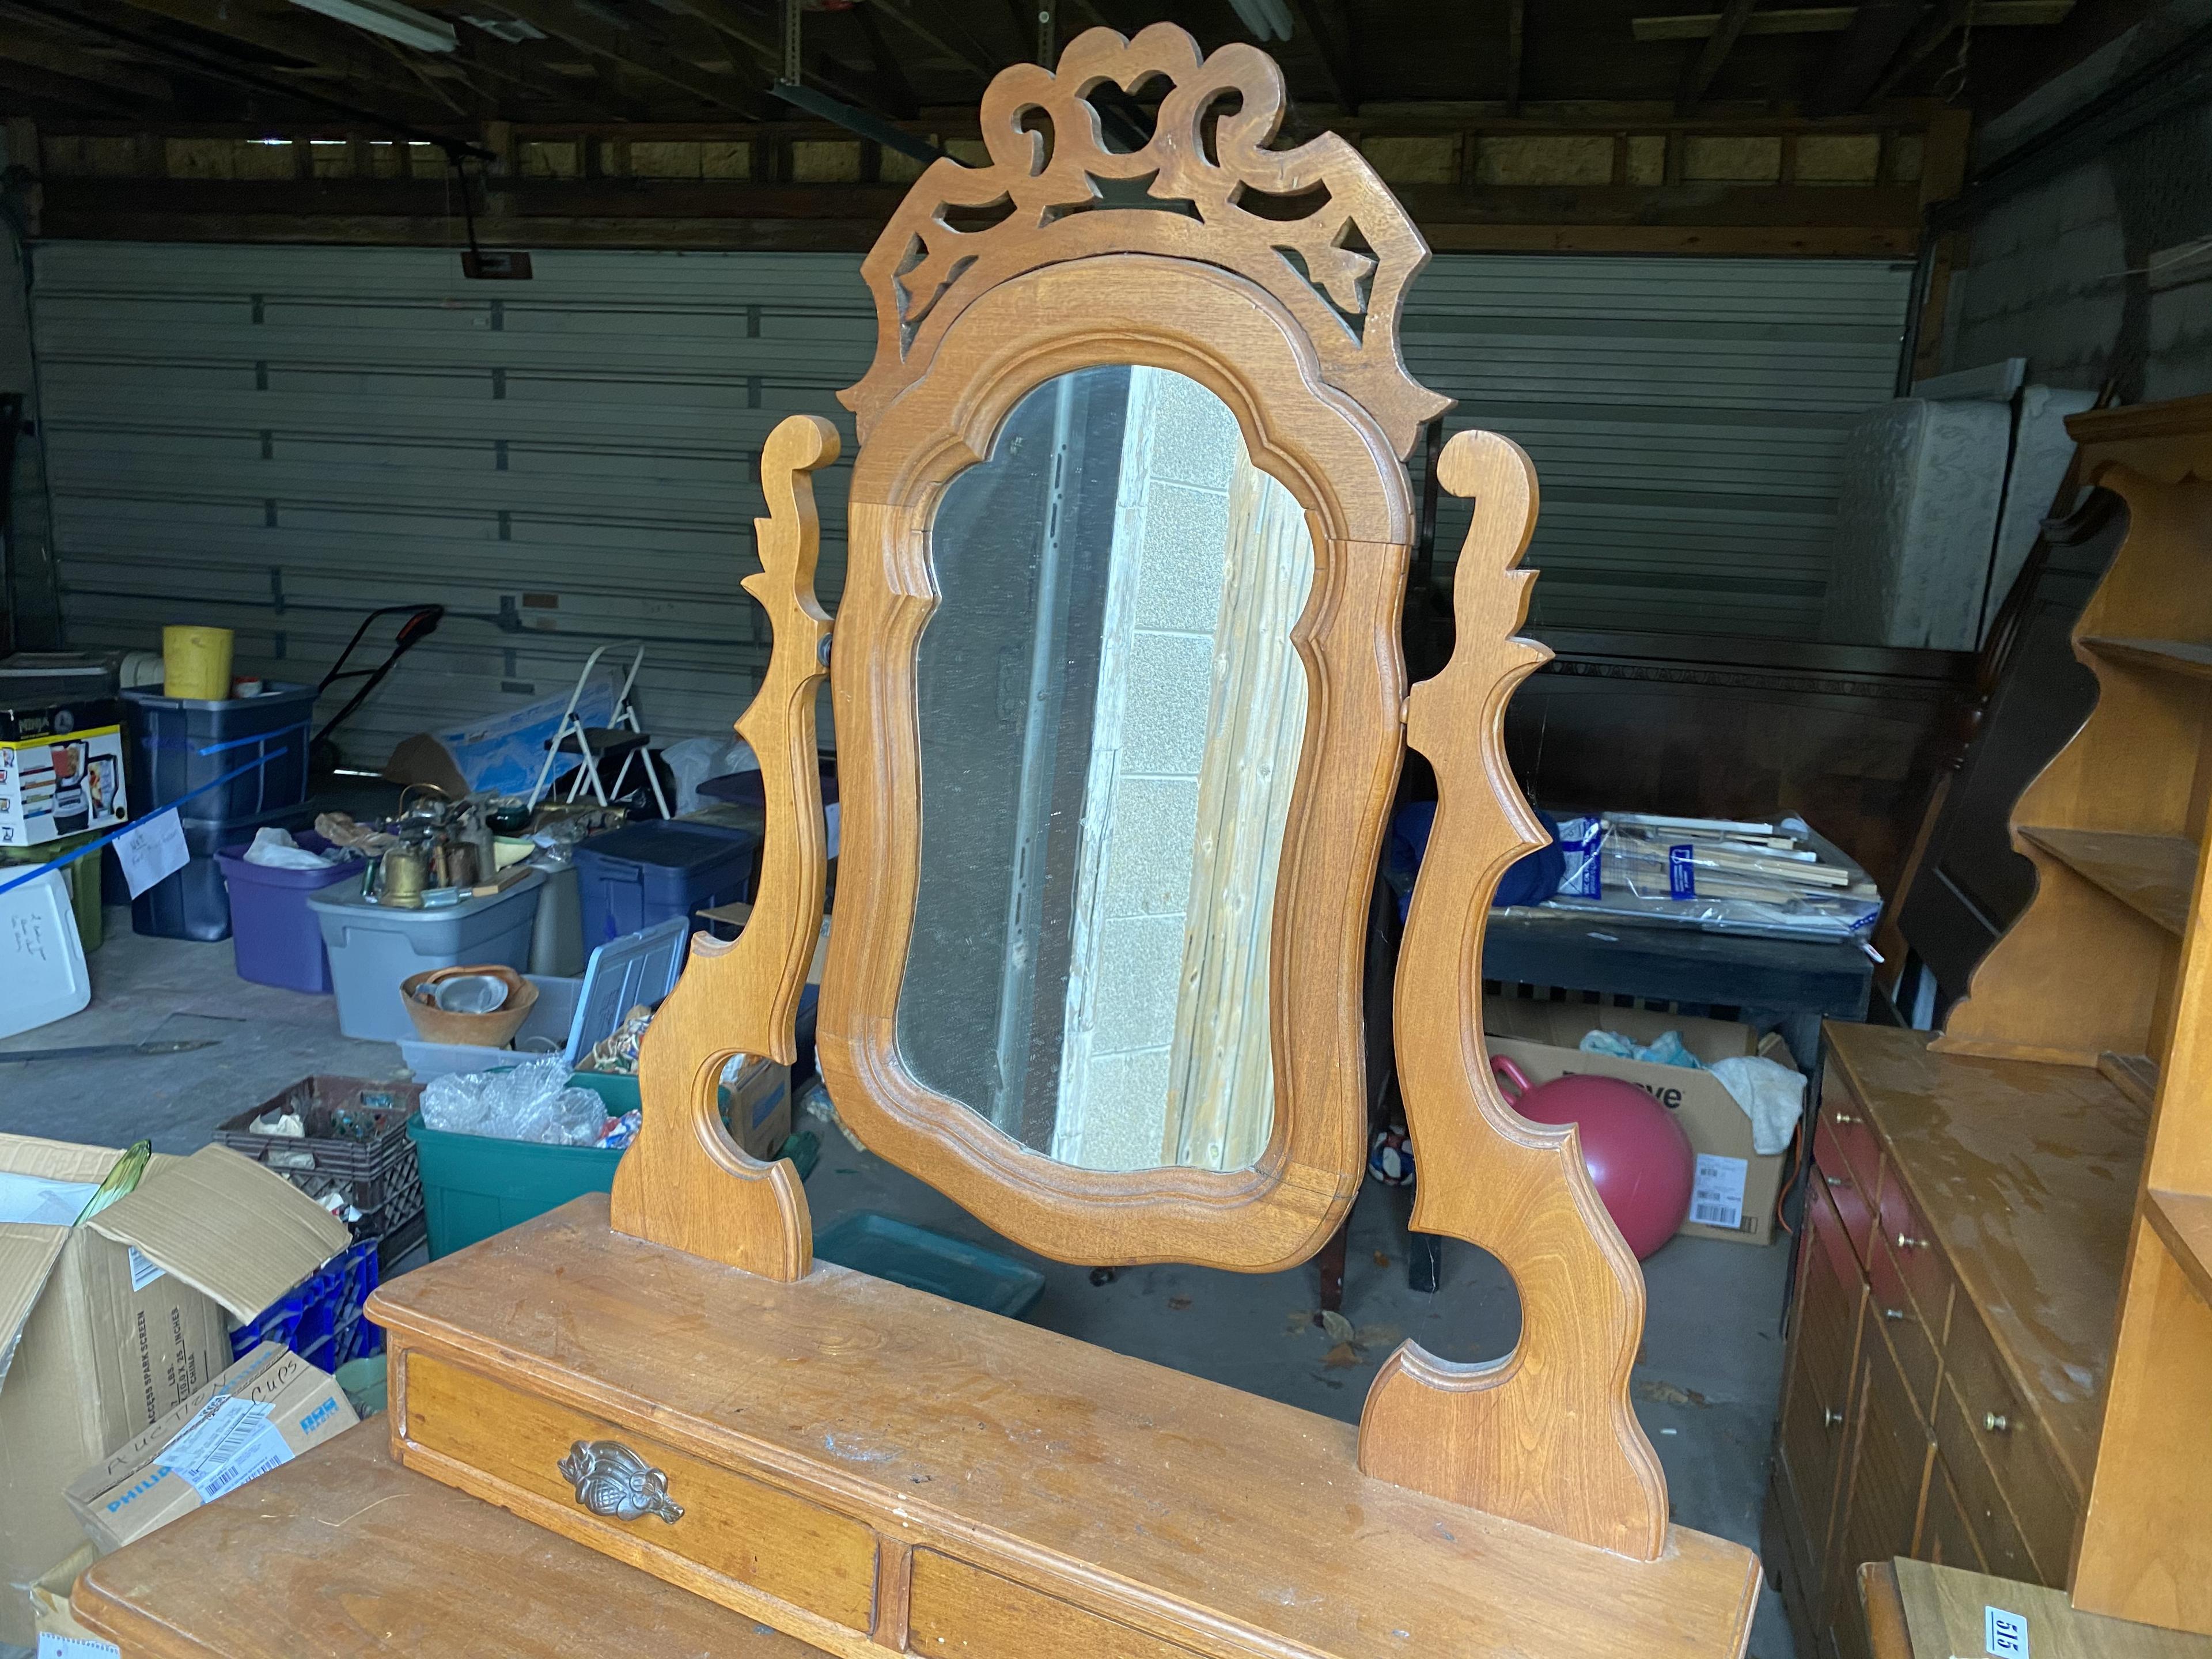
x=61, y=771
x=104, y=1327
x=1736, y=1184
x=262, y=1413
x=756, y=1107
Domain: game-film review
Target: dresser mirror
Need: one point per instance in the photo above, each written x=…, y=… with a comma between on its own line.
x=1120, y=710
x=1110, y=715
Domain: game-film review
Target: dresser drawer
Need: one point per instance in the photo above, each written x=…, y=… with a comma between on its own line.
x=2004, y=1551
x=813, y=1558
x=1900, y=1318
x=2008, y=1431
x=1905, y=1233
x=1852, y=1194
x=1947, y=1536
x=959, y=1609
x=1854, y=1136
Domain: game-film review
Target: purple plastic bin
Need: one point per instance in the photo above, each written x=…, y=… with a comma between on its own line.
x=279, y=940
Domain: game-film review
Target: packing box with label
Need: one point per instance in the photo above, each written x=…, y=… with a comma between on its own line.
x=1736, y=1185
x=107, y=1325
x=262, y=1412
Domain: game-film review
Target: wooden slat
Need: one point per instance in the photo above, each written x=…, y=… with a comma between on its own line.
x=2189, y=657
x=2182, y=1221
x=2150, y=874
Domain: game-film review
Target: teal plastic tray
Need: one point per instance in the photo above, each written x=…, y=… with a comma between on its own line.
x=923, y=1260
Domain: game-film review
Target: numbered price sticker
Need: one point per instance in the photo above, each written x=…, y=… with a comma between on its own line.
x=2004, y=1635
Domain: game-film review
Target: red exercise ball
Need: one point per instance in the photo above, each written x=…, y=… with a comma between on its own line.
x=1639, y=1159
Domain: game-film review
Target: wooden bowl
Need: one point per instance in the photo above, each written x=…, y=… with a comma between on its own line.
x=493, y=1030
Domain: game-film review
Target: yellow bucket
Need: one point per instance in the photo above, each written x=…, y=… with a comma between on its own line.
x=196, y=663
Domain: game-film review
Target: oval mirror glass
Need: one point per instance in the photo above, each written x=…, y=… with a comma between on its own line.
x=1111, y=713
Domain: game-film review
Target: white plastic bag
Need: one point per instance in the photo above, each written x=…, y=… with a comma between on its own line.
x=277, y=850
x=531, y=1102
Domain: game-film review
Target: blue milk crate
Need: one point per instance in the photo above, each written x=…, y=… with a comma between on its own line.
x=320, y=1318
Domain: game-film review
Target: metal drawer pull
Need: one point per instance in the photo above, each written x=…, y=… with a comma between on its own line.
x=1841, y=1117
x=1836, y=1181
x=1996, y=1422
x=611, y=1479
x=1898, y=1313
x=1831, y=1418
x=1907, y=1242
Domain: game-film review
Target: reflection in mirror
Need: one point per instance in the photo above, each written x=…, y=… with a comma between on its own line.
x=1110, y=715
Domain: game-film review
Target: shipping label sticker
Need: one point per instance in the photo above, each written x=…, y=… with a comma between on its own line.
x=144, y=1270
x=231, y=1443
x=1716, y=1199
x=2004, y=1635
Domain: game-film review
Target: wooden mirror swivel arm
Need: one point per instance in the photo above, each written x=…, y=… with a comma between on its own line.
x=1546, y=1434
x=741, y=996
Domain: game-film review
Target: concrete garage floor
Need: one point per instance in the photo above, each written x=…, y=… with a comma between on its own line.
x=1706, y=1383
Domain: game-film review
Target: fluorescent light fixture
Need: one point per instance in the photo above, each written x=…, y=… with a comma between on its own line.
x=390, y=19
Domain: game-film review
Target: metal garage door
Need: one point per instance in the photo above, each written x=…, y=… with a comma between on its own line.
x=278, y=439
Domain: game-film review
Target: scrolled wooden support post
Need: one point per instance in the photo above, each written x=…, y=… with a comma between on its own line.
x=684, y=1182
x=1547, y=1435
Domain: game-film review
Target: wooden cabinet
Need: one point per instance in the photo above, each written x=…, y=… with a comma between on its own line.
x=1959, y=1264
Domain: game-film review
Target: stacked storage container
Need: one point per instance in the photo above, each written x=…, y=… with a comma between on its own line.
x=179, y=744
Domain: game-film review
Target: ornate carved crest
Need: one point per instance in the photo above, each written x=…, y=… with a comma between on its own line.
x=1341, y=263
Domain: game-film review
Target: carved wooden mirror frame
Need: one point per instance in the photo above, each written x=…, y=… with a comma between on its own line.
x=969, y=321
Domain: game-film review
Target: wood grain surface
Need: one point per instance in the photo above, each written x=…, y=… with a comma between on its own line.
x=1944, y=1610
x=1546, y=1436
x=344, y=1554
x=1047, y=154
x=685, y=1181
x=1224, y=332
x=1191, y=1512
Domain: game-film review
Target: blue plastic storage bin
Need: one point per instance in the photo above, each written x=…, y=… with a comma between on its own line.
x=178, y=744
x=320, y=1318
x=194, y=902
x=662, y=871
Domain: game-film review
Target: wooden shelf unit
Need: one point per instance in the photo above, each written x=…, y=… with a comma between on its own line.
x=2111, y=968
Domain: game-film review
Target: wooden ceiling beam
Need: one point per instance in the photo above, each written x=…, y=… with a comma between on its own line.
x=1947, y=19
x=1335, y=41
x=622, y=48
x=1855, y=67
x=973, y=53
x=60, y=56
x=27, y=89
x=323, y=48
x=1698, y=75
x=759, y=40
x=1834, y=19
x=1517, y=30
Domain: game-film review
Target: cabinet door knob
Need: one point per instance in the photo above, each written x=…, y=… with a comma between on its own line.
x=1831, y=1418
x=1907, y=1242
x=1841, y=1117
x=1898, y=1313
x=1835, y=1181
x=611, y=1480
x=1996, y=1422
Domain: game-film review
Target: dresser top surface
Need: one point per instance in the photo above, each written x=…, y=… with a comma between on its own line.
x=342, y=1553
x=1002, y=1442
x=2026, y=1174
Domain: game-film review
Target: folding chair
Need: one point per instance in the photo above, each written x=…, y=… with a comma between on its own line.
x=621, y=735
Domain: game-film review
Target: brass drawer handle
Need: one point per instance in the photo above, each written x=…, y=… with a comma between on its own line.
x=1836, y=1181
x=1898, y=1313
x=1907, y=1242
x=611, y=1479
x=1996, y=1422
x=1841, y=1117
x=1831, y=1418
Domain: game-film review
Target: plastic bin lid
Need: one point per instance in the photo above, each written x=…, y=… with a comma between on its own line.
x=639, y=967
x=672, y=843
x=273, y=692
